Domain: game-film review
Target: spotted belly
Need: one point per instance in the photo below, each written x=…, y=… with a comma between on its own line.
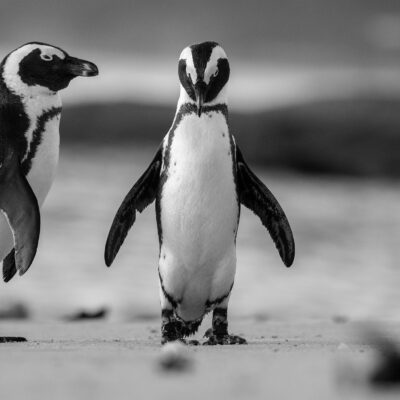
x=199, y=216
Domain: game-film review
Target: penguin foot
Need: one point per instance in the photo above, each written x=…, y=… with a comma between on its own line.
x=171, y=332
x=193, y=342
x=174, y=328
x=222, y=339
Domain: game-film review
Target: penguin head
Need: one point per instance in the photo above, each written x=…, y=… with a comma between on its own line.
x=38, y=68
x=203, y=73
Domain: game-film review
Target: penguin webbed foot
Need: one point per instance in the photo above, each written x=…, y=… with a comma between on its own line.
x=222, y=339
x=190, y=342
x=168, y=339
x=174, y=330
x=187, y=342
x=171, y=331
x=218, y=334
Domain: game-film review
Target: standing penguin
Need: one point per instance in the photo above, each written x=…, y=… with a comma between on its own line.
x=199, y=178
x=30, y=110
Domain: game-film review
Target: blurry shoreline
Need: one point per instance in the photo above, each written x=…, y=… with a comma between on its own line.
x=357, y=136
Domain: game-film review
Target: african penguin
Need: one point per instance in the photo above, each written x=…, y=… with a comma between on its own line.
x=198, y=179
x=30, y=108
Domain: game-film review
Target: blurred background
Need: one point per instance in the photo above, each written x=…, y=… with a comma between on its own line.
x=315, y=107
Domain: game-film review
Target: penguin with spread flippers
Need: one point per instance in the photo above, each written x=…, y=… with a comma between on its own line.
x=30, y=108
x=198, y=179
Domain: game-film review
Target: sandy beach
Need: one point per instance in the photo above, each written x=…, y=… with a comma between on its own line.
x=103, y=360
x=298, y=321
x=314, y=94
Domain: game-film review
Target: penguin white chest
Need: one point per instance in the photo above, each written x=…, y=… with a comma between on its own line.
x=199, y=204
x=199, y=214
x=45, y=161
x=43, y=145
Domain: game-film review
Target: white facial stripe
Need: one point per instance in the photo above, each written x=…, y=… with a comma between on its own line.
x=11, y=69
x=190, y=68
x=211, y=68
x=35, y=99
x=51, y=52
x=212, y=65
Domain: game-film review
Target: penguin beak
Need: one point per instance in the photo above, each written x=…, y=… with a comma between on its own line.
x=77, y=67
x=200, y=89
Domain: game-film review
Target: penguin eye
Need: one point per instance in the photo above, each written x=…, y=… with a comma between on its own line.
x=46, y=57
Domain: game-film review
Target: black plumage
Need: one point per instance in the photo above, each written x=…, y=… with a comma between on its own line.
x=254, y=195
x=19, y=204
x=143, y=193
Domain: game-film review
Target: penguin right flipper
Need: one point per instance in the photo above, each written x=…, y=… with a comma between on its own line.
x=143, y=193
x=9, y=268
x=257, y=197
x=20, y=206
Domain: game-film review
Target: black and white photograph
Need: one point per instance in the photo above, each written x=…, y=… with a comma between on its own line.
x=199, y=199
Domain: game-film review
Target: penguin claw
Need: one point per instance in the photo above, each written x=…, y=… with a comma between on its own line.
x=223, y=340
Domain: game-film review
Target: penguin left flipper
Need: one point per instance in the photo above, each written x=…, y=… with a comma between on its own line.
x=143, y=193
x=256, y=196
x=20, y=206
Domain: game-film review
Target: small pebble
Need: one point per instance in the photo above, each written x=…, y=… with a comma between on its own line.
x=14, y=311
x=87, y=314
x=340, y=319
x=175, y=357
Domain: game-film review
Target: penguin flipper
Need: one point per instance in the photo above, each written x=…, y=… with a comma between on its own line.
x=20, y=206
x=254, y=195
x=9, y=268
x=143, y=193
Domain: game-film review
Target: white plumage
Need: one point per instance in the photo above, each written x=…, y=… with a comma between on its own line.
x=199, y=215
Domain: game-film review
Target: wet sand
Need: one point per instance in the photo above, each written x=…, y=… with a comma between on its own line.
x=104, y=360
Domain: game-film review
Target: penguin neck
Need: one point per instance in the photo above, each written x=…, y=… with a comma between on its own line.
x=39, y=110
x=29, y=110
x=220, y=100
x=41, y=102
